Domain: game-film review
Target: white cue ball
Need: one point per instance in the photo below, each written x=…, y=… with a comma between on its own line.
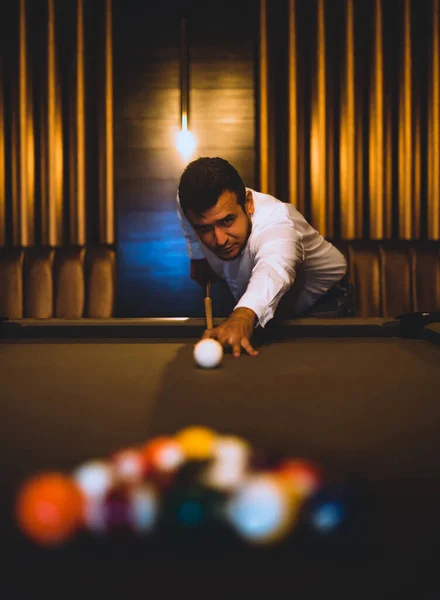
x=208, y=353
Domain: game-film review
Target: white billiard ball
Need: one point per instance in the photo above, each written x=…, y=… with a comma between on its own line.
x=260, y=510
x=94, y=478
x=208, y=353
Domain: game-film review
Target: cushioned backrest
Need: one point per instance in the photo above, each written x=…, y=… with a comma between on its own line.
x=38, y=282
x=11, y=283
x=71, y=282
x=395, y=280
x=364, y=268
x=426, y=278
x=100, y=282
x=68, y=282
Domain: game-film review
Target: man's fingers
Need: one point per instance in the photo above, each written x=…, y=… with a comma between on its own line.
x=212, y=334
x=247, y=346
x=236, y=343
x=236, y=348
x=209, y=333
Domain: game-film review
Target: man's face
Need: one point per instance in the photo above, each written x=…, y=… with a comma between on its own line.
x=225, y=228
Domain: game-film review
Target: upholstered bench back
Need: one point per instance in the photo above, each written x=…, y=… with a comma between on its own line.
x=68, y=282
x=391, y=278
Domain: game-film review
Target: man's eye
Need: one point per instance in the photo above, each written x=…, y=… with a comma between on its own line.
x=228, y=221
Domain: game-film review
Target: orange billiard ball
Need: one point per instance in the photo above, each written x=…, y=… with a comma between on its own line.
x=49, y=508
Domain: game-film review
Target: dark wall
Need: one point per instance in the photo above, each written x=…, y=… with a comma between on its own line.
x=153, y=267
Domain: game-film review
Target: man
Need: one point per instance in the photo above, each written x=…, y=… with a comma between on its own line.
x=260, y=246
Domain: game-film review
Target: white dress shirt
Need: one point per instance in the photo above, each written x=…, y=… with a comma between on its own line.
x=282, y=248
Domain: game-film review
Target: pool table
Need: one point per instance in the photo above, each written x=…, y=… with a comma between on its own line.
x=360, y=397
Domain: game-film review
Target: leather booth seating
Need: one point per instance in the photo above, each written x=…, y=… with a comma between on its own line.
x=393, y=278
x=70, y=282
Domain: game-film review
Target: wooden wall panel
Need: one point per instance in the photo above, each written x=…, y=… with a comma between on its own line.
x=2, y=159
x=153, y=264
x=58, y=182
x=146, y=102
x=361, y=112
x=22, y=133
x=334, y=109
x=51, y=138
x=131, y=195
x=433, y=126
x=106, y=228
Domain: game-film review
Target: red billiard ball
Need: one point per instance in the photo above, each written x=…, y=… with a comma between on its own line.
x=164, y=454
x=302, y=477
x=129, y=466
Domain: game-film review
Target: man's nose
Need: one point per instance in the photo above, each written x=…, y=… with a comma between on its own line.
x=221, y=237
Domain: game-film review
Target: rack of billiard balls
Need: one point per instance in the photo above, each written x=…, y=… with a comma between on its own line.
x=184, y=482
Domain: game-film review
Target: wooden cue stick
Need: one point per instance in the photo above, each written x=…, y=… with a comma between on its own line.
x=208, y=306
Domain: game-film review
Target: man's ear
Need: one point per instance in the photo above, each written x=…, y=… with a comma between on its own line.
x=250, y=208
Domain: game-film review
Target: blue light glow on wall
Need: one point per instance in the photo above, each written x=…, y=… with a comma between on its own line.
x=153, y=270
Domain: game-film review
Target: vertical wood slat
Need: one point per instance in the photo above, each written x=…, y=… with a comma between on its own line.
x=77, y=162
x=2, y=161
x=360, y=170
x=264, y=101
x=27, y=159
x=51, y=143
x=417, y=169
x=294, y=197
x=405, y=131
x=409, y=154
x=376, y=126
x=385, y=173
x=296, y=126
x=433, y=154
x=22, y=144
x=265, y=117
x=105, y=134
x=347, y=145
x=328, y=153
x=388, y=176
x=318, y=132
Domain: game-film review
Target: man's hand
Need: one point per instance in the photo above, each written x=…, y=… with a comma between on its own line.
x=201, y=272
x=236, y=331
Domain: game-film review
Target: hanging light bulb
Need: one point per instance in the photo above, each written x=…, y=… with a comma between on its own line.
x=186, y=141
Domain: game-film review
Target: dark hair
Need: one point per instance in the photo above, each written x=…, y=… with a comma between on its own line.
x=204, y=180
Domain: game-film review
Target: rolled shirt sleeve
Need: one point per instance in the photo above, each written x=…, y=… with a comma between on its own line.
x=193, y=246
x=278, y=251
